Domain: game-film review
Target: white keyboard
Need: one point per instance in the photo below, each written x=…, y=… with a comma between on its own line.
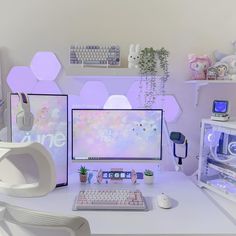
x=95, y=55
x=109, y=199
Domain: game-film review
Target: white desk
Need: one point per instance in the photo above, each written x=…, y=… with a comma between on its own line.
x=193, y=212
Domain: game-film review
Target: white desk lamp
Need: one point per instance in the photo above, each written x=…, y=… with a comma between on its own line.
x=20, y=221
x=46, y=169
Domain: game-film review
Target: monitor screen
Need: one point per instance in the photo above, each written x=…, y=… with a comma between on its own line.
x=220, y=106
x=50, y=128
x=100, y=134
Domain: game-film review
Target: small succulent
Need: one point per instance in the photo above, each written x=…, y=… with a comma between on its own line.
x=148, y=172
x=83, y=170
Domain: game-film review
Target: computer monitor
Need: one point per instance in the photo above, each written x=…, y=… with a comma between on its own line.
x=117, y=134
x=50, y=128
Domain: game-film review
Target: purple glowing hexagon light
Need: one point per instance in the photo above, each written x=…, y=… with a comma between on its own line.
x=73, y=102
x=21, y=79
x=132, y=95
x=45, y=66
x=46, y=87
x=93, y=94
x=117, y=102
x=170, y=106
x=168, y=103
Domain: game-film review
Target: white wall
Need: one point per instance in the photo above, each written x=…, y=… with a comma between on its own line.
x=182, y=26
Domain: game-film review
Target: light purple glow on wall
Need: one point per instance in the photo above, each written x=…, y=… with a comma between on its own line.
x=117, y=102
x=21, y=79
x=167, y=102
x=45, y=66
x=170, y=106
x=46, y=87
x=93, y=94
x=132, y=95
x=73, y=102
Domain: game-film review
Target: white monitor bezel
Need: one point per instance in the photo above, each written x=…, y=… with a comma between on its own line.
x=116, y=160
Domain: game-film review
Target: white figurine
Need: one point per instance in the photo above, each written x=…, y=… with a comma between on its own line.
x=133, y=57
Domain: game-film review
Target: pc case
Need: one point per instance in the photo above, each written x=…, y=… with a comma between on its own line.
x=217, y=159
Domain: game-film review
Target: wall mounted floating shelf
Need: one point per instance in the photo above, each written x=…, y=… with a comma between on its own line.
x=91, y=72
x=200, y=83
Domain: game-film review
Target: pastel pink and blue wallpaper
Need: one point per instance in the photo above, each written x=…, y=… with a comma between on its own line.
x=117, y=134
x=49, y=129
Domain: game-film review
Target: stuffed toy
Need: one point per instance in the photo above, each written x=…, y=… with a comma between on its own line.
x=222, y=70
x=231, y=62
x=226, y=64
x=220, y=55
x=211, y=73
x=198, y=66
x=133, y=57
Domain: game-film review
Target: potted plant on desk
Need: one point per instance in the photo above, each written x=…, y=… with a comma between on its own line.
x=83, y=174
x=148, y=176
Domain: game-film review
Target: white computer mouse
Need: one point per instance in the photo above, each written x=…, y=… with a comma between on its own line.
x=164, y=201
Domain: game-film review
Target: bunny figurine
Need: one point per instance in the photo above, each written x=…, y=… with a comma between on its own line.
x=133, y=57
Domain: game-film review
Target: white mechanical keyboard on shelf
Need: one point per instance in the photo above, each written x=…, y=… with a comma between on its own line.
x=95, y=55
x=110, y=199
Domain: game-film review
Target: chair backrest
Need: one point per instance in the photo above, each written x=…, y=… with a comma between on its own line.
x=46, y=170
x=24, y=222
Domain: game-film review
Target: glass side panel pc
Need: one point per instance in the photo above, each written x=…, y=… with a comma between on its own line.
x=218, y=158
x=117, y=135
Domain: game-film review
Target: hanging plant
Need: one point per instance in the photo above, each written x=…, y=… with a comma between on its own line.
x=153, y=67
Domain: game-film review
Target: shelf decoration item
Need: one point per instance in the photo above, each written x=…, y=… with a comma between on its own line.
x=153, y=67
x=83, y=174
x=133, y=57
x=148, y=176
x=198, y=66
x=211, y=73
x=219, y=71
x=225, y=64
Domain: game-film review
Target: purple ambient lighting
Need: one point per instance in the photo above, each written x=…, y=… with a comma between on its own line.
x=45, y=66
x=21, y=79
x=117, y=102
x=73, y=102
x=93, y=94
x=168, y=103
x=46, y=87
x=171, y=108
x=132, y=95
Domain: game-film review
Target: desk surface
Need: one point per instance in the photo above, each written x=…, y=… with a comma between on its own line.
x=193, y=212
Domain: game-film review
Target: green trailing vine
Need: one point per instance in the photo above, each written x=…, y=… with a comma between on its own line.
x=147, y=62
x=153, y=66
x=163, y=56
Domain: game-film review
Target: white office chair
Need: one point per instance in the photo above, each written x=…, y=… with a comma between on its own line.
x=17, y=221
x=45, y=169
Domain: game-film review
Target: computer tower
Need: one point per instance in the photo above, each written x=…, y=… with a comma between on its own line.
x=217, y=158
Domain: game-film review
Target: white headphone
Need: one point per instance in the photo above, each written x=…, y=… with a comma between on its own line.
x=24, y=118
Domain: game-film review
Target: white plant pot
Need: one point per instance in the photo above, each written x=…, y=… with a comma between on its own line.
x=148, y=179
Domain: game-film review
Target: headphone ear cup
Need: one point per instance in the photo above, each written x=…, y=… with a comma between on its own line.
x=20, y=119
x=31, y=122
x=25, y=120
x=28, y=121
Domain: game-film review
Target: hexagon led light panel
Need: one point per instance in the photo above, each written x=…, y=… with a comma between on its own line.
x=117, y=102
x=170, y=106
x=21, y=79
x=46, y=87
x=93, y=94
x=168, y=103
x=45, y=66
